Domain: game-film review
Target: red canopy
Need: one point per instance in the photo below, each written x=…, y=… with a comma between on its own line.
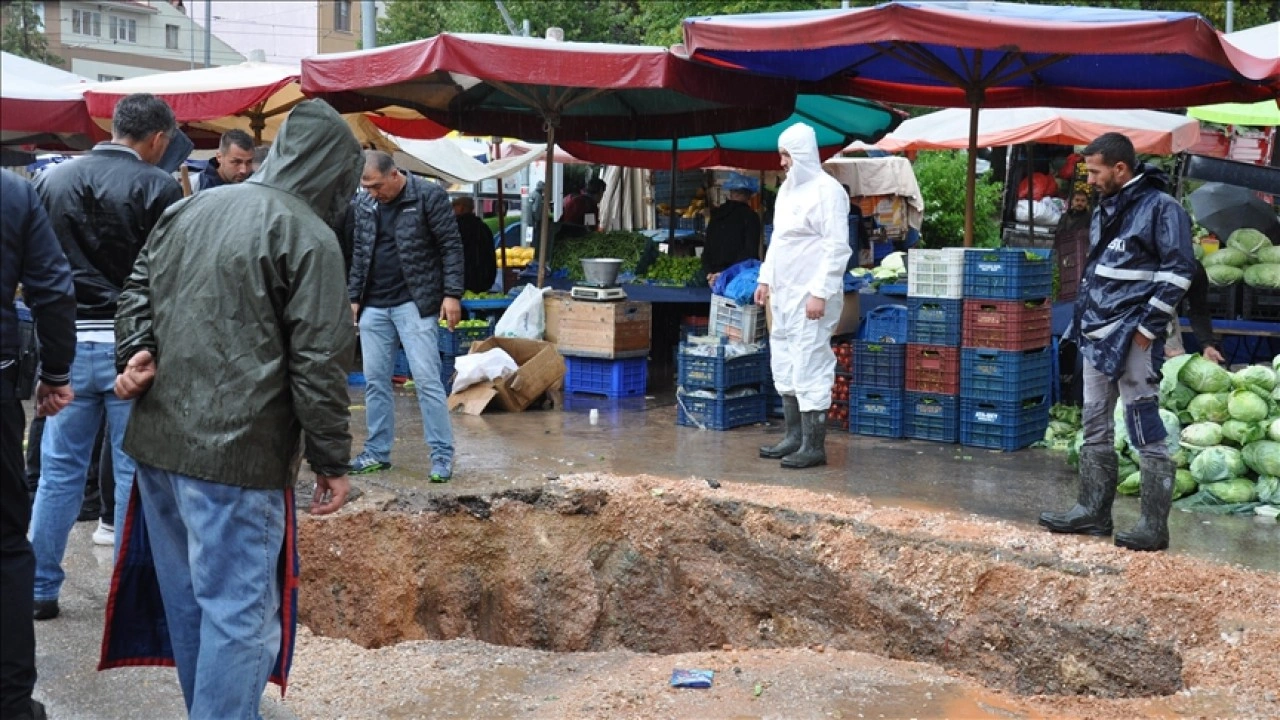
x=42, y=105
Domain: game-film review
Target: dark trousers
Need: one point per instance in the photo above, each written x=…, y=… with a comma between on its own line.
x=17, y=570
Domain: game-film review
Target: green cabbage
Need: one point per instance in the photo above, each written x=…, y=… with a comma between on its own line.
x=1131, y=484
x=1255, y=377
x=1209, y=407
x=1202, y=435
x=1248, y=241
x=1178, y=398
x=1126, y=467
x=1217, y=463
x=1233, y=490
x=1247, y=405
x=1268, y=489
x=1263, y=457
x=1184, y=483
x=1182, y=458
x=1204, y=376
x=1198, y=250
x=1226, y=256
x=1242, y=433
x=1222, y=275
x=1273, y=430
x=1269, y=254
x=1265, y=276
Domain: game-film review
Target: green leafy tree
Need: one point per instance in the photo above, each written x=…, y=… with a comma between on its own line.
x=23, y=33
x=941, y=176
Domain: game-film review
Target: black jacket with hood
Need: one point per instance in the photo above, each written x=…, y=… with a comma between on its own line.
x=239, y=294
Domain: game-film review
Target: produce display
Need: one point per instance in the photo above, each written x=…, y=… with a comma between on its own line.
x=676, y=271
x=1248, y=256
x=517, y=257
x=1223, y=434
x=468, y=295
x=462, y=324
x=568, y=253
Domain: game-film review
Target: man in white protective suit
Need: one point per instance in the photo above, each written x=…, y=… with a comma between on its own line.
x=802, y=280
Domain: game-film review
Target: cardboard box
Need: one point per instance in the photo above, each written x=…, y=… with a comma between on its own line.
x=606, y=330
x=539, y=369
x=850, y=315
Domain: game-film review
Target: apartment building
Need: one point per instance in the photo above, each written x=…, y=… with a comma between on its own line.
x=285, y=30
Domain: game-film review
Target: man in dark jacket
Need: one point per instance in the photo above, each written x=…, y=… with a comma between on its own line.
x=232, y=164
x=29, y=254
x=102, y=206
x=234, y=335
x=1139, y=266
x=583, y=207
x=733, y=235
x=477, y=246
x=406, y=270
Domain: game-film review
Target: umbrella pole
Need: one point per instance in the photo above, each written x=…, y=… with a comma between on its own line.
x=970, y=188
x=760, y=212
x=547, y=189
x=502, y=219
x=673, y=220
x=1031, y=206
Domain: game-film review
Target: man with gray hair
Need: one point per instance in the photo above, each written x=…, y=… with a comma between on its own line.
x=102, y=207
x=233, y=163
x=406, y=270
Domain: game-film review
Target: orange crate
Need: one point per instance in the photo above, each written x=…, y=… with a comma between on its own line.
x=933, y=369
x=1007, y=324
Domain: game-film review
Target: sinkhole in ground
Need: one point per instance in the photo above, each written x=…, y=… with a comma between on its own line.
x=571, y=570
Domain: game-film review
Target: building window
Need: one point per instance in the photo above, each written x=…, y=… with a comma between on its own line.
x=123, y=30
x=342, y=15
x=84, y=22
x=171, y=37
x=108, y=78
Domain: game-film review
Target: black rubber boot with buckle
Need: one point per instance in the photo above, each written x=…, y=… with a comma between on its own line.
x=1092, y=512
x=1156, y=498
x=813, y=442
x=791, y=434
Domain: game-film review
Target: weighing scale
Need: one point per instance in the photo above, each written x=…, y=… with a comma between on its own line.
x=597, y=292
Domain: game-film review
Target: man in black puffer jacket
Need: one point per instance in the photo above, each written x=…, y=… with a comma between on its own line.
x=406, y=270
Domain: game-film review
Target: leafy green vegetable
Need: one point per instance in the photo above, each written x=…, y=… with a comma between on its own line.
x=1268, y=489
x=1266, y=276
x=1247, y=241
x=1242, y=433
x=1204, y=376
x=1223, y=275
x=1209, y=407
x=1131, y=484
x=1263, y=457
x=568, y=253
x=1217, y=463
x=1202, y=435
x=1255, y=377
x=1247, y=405
x=1184, y=483
x=1233, y=490
x=1226, y=256
x=678, y=271
x=1273, y=430
x=1269, y=254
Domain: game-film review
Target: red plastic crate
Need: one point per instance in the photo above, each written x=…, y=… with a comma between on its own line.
x=1007, y=324
x=933, y=369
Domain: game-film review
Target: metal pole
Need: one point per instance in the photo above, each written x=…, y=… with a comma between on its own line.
x=972, y=164
x=496, y=152
x=526, y=27
x=369, y=23
x=191, y=39
x=208, y=33
x=673, y=216
x=1231, y=15
x=546, y=206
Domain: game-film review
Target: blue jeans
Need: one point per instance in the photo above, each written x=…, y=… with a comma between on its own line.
x=216, y=550
x=380, y=328
x=65, y=452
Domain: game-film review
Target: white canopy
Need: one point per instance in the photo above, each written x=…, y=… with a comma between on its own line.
x=444, y=159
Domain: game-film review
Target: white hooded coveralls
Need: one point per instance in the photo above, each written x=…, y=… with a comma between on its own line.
x=807, y=256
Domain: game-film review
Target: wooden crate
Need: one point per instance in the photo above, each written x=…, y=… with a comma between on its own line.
x=582, y=328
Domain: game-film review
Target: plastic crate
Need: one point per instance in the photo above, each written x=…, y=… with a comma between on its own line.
x=1003, y=425
x=611, y=378
x=1261, y=304
x=458, y=341
x=695, y=371
x=877, y=364
x=935, y=273
x=844, y=357
x=1224, y=301
x=934, y=321
x=721, y=412
x=1004, y=375
x=887, y=323
x=355, y=379
x=694, y=224
x=933, y=369
x=401, y=368
x=1008, y=274
x=740, y=323
x=1007, y=324
x=875, y=411
x=932, y=416
x=773, y=404
x=693, y=326
x=899, y=289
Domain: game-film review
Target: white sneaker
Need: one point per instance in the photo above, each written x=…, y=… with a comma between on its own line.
x=104, y=535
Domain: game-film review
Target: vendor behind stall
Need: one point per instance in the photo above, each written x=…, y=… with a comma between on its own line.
x=733, y=235
x=583, y=207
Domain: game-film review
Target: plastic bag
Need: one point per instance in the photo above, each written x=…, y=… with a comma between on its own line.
x=524, y=318
x=482, y=367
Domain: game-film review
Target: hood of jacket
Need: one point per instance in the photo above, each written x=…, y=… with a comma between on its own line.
x=801, y=143
x=315, y=158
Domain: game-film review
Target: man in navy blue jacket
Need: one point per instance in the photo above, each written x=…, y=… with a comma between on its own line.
x=30, y=255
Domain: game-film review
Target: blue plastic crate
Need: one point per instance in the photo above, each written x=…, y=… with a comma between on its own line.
x=773, y=405
x=878, y=364
x=875, y=411
x=355, y=379
x=1004, y=375
x=1008, y=273
x=401, y=368
x=934, y=321
x=612, y=378
x=1003, y=425
x=458, y=341
x=695, y=371
x=931, y=416
x=887, y=323
x=721, y=412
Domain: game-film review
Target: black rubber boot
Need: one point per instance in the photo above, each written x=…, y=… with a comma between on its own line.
x=791, y=435
x=1156, y=497
x=813, y=442
x=1092, y=512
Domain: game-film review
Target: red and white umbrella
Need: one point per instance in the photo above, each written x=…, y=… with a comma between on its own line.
x=42, y=105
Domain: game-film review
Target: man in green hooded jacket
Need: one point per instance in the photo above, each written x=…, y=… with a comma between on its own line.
x=234, y=334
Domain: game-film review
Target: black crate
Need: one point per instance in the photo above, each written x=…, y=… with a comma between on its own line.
x=1261, y=304
x=1224, y=301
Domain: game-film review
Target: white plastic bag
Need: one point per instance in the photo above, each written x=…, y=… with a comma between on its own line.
x=524, y=318
x=482, y=367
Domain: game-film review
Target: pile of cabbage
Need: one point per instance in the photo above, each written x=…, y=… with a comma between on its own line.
x=1248, y=256
x=1223, y=434
x=892, y=270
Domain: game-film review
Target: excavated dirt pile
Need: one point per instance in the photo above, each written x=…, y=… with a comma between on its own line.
x=653, y=565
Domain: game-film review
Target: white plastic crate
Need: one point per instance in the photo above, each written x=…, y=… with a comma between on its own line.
x=936, y=273
x=738, y=323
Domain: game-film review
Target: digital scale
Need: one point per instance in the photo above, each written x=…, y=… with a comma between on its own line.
x=597, y=293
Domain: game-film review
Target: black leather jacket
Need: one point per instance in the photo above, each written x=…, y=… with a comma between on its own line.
x=102, y=207
x=427, y=237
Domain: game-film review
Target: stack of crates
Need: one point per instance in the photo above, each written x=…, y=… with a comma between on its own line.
x=935, y=312
x=1005, y=363
x=879, y=374
x=453, y=343
x=717, y=389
